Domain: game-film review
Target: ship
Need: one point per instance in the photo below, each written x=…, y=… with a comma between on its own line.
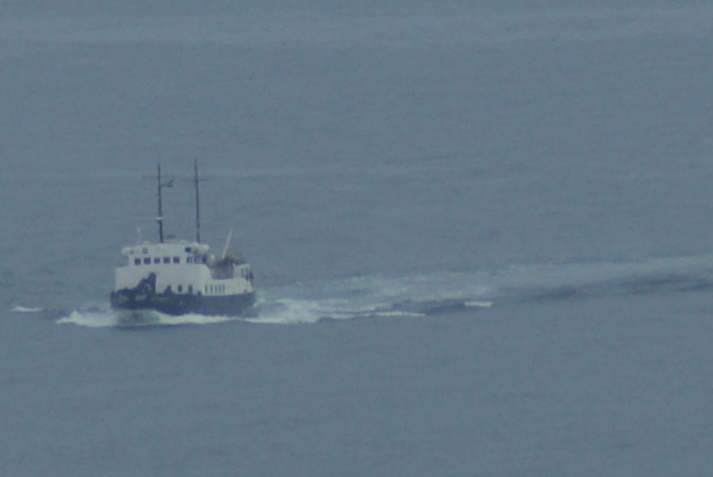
x=179, y=277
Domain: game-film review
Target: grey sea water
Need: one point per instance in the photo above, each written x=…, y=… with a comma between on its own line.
x=480, y=231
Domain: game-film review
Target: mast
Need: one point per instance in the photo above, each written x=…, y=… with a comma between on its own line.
x=198, y=209
x=159, y=218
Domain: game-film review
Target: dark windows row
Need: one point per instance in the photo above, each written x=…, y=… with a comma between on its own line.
x=179, y=289
x=148, y=260
x=157, y=260
x=209, y=289
x=215, y=289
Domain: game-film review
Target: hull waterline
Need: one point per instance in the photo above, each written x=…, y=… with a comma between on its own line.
x=175, y=304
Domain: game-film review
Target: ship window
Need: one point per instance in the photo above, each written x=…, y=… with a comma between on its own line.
x=147, y=261
x=137, y=261
x=189, y=259
x=188, y=249
x=176, y=260
x=180, y=288
x=190, y=288
x=156, y=260
x=166, y=259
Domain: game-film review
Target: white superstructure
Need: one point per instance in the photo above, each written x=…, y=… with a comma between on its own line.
x=183, y=267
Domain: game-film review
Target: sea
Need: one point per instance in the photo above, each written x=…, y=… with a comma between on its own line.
x=481, y=233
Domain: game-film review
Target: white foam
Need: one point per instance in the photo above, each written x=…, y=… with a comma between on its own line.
x=26, y=309
x=398, y=313
x=90, y=319
x=295, y=311
x=192, y=319
x=289, y=311
x=110, y=318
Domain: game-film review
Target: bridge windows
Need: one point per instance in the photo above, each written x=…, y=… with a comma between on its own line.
x=163, y=260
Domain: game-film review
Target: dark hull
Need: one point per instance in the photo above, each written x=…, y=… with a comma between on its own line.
x=180, y=304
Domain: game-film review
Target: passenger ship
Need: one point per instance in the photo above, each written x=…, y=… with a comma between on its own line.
x=179, y=276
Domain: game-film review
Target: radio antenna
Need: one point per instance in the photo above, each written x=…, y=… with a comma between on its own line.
x=159, y=218
x=198, y=208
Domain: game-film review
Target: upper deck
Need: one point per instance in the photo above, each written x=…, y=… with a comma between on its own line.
x=166, y=253
x=183, y=267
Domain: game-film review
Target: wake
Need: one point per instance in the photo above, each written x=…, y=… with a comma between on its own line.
x=313, y=302
x=586, y=281
x=427, y=295
x=415, y=296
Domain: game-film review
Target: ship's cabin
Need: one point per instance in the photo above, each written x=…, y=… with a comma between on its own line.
x=182, y=253
x=167, y=253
